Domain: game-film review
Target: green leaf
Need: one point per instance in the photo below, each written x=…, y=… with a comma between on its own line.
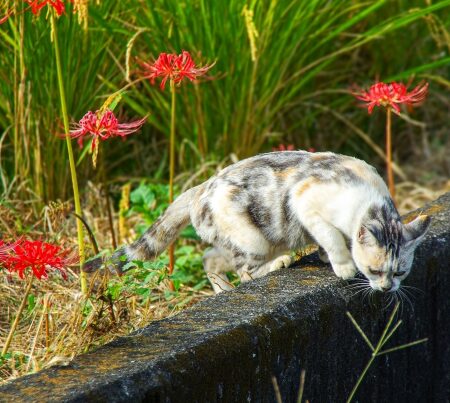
x=129, y=266
x=31, y=303
x=142, y=195
x=151, y=276
x=189, y=233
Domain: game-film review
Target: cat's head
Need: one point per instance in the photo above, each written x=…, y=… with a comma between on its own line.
x=384, y=252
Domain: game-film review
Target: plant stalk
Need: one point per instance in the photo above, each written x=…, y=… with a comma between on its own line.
x=47, y=321
x=249, y=127
x=202, y=140
x=390, y=175
x=73, y=172
x=381, y=342
x=361, y=377
x=172, y=142
x=19, y=313
x=110, y=215
x=21, y=156
x=172, y=172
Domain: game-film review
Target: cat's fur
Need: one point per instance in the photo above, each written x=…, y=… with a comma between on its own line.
x=255, y=211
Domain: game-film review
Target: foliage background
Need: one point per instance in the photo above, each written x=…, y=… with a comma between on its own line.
x=296, y=90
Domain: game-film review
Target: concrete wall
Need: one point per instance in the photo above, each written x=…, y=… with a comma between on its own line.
x=228, y=347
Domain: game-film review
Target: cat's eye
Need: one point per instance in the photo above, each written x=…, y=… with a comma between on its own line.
x=376, y=272
x=399, y=273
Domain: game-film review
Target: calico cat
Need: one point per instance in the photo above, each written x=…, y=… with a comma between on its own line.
x=256, y=210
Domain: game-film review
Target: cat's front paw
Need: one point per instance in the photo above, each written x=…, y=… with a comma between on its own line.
x=345, y=271
x=280, y=263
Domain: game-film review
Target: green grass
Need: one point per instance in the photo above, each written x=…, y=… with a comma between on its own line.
x=308, y=54
x=304, y=49
x=29, y=105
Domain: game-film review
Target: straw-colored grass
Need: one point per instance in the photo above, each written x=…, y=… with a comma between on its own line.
x=62, y=324
x=411, y=196
x=58, y=323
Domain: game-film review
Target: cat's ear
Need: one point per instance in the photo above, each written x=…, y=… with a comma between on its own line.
x=414, y=231
x=365, y=236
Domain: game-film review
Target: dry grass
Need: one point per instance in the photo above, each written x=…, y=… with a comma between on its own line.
x=411, y=196
x=59, y=323
x=62, y=324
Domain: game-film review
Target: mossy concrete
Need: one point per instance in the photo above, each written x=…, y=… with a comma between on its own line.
x=227, y=347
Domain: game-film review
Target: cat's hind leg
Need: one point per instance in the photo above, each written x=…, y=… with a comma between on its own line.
x=216, y=266
x=278, y=263
x=255, y=268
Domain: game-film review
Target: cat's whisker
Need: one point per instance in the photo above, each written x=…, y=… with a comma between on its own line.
x=412, y=289
x=401, y=303
x=409, y=293
x=402, y=307
x=353, y=285
x=405, y=296
x=365, y=294
x=359, y=292
x=390, y=300
x=357, y=280
x=362, y=279
x=357, y=287
x=398, y=300
x=371, y=294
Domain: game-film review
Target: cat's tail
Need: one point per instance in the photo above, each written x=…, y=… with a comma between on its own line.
x=155, y=240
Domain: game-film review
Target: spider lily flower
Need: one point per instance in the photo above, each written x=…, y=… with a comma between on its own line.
x=173, y=67
x=38, y=256
x=283, y=147
x=391, y=95
x=36, y=6
x=101, y=126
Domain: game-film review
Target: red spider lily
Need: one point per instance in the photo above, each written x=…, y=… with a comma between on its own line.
x=36, y=6
x=103, y=126
x=391, y=95
x=38, y=256
x=282, y=147
x=173, y=67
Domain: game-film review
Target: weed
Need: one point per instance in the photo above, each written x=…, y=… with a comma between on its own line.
x=377, y=349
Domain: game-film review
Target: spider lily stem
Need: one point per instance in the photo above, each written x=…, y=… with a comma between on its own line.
x=172, y=172
x=73, y=172
x=390, y=175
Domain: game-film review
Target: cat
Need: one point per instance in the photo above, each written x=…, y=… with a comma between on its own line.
x=256, y=210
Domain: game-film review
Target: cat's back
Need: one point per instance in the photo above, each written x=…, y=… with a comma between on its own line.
x=290, y=167
x=272, y=181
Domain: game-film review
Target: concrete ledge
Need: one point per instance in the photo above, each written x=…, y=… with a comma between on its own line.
x=227, y=347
